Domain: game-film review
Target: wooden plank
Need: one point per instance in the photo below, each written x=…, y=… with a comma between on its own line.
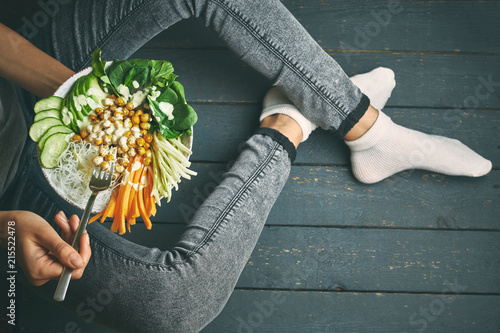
x=422, y=26
x=330, y=196
x=363, y=259
x=423, y=80
x=291, y=311
x=297, y=312
x=227, y=126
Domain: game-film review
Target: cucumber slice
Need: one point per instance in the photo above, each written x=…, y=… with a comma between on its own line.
x=38, y=129
x=50, y=131
x=52, y=102
x=54, y=146
x=51, y=113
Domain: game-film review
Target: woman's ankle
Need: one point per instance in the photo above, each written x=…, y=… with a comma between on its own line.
x=364, y=124
x=285, y=125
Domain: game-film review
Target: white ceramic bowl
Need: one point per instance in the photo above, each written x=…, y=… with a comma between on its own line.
x=62, y=91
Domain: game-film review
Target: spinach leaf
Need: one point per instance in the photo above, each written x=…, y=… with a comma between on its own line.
x=168, y=95
x=184, y=117
x=179, y=90
x=98, y=64
x=99, y=70
x=120, y=71
x=162, y=73
x=138, y=74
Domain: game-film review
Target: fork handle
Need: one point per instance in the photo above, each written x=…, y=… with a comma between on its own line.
x=63, y=284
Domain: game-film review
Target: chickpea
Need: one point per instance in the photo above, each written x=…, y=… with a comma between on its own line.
x=98, y=111
x=84, y=133
x=129, y=106
x=108, y=139
x=119, y=169
x=145, y=126
x=139, y=112
x=145, y=117
x=77, y=138
x=147, y=145
x=103, y=151
x=149, y=153
x=141, y=151
x=125, y=112
x=140, y=142
x=119, y=101
x=93, y=118
x=127, y=123
x=136, y=119
x=127, y=134
x=112, y=96
x=143, y=132
x=131, y=142
x=131, y=113
x=109, y=158
x=132, y=152
x=147, y=161
x=125, y=162
x=112, y=108
x=148, y=138
x=104, y=165
x=106, y=114
x=98, y=141
x=97, y=160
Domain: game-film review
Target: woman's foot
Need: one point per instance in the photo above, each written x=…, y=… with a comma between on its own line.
x=377, y=85
x=387, y=148
x=277, y=104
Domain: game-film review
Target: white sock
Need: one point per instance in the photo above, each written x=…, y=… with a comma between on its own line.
x=377, y=85
x=387, y=148
x=276, y=102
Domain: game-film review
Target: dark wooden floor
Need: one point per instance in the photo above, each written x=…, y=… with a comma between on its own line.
x=419, y=252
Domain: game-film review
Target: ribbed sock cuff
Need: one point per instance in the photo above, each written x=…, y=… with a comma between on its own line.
x=353, y=117
x=376, y=133
x=281, y=139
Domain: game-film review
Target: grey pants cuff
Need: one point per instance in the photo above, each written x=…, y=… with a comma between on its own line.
x=281, y=139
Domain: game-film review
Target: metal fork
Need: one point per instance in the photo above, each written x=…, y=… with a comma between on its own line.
x=100, y=181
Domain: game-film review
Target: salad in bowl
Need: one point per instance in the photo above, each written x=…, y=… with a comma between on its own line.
x=132, y=113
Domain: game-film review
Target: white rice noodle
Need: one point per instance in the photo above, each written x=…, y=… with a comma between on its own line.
x=72, y=175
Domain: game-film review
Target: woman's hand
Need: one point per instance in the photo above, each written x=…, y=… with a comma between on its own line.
x=41, y=252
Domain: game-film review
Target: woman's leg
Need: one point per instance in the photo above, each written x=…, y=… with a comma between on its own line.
x=263, y=33
x=267, y=36
x=129, y=287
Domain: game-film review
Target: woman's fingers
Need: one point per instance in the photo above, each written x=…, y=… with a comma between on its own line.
x=85, y=253
x=62, y=221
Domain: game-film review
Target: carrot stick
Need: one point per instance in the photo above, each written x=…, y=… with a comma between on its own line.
x=117, y=221
x=134, y=208
x=134, y=179
x=148, y=199
x=96, y=216
x=142, y=208
x=108, y=212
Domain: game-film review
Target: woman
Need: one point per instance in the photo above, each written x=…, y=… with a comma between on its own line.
x=189, y=285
